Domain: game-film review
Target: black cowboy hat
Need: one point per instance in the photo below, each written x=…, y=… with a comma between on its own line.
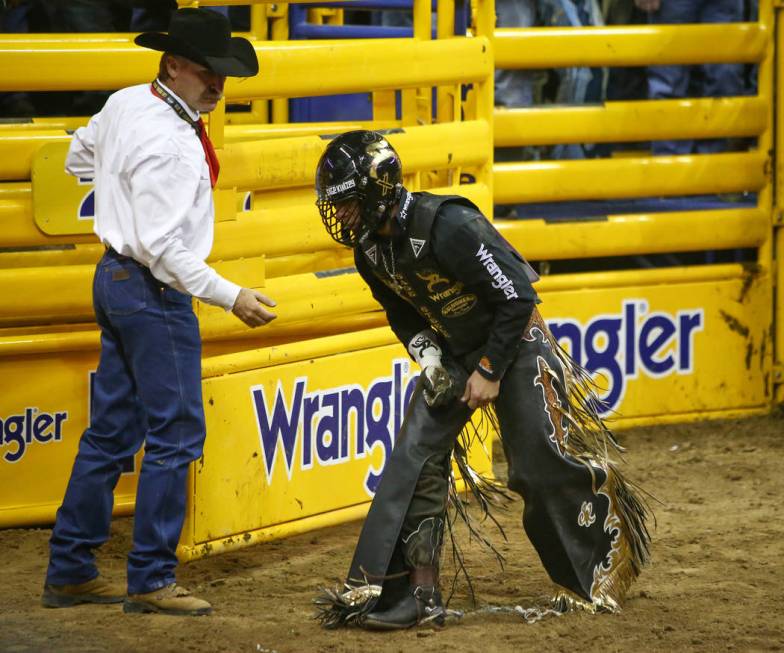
x=204, y=36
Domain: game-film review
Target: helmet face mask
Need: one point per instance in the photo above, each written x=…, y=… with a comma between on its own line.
x=359, y=171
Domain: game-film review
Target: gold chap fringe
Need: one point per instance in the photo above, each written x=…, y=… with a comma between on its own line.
x=346, y=604
x=589, y=440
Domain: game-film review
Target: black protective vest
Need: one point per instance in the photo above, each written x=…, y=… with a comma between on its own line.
x=460, y=316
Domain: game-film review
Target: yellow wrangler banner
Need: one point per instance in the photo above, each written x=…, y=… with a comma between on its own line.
x=62, y=204
x=685, y=349
x=42, y=416
x=301, y=444
x=65, y=205
x=297, y=441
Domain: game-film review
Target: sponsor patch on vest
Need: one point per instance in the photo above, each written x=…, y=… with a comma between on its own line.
x=459, y=306
x=446, y=294
x=417, y=244
x=433, y=279
x=372, y=253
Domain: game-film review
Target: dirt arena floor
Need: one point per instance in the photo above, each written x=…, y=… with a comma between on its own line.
x=715, y=583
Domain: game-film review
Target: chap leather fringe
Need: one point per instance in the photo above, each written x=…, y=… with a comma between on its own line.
x=587, y=439
x=349, y=603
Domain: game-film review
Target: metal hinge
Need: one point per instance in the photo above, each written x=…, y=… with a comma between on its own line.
x=277, y=10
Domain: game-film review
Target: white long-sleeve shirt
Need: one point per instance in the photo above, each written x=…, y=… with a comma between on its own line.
x=153, y=200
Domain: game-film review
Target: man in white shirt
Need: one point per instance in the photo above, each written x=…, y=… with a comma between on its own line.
x=153, y=167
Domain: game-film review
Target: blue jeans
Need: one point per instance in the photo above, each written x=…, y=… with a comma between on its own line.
x=515, y=88
x=577, y=85
x=717, y=80
x=147, y=389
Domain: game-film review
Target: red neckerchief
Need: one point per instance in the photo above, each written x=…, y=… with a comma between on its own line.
x=198, y=126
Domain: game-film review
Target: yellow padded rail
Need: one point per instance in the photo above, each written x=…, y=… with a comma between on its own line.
x=548, y=181
x=632, y=121
x=105, y=61
x=630, y=45
x=650, y=233
x=291, y=162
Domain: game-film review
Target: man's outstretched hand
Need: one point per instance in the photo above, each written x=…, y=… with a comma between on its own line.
x=249, y=307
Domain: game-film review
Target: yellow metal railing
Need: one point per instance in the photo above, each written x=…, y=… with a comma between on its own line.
x=274, y=161
x=103, y=61
x=45, y=279
x=543, y=181
x=633, y=45
x=632, y=121
x=777, y=248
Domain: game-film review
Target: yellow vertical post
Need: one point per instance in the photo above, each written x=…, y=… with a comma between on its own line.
x=259, y=29
x=332, y=16
x=485, y=27
x=385, y=105
x=767, y=92
x=279, y=14
x=419, y=104
x=774, y=253
x=215, y=126
x=258, y=22
x=408, y=96
x=445, y=95
x=423, y=31
x=445, y=27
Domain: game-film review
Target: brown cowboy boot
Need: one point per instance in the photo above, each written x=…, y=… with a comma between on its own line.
x=96, y=590
x=422, y=604
x=172, y=599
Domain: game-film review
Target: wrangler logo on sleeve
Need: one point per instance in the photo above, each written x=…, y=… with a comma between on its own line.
x=500, y=280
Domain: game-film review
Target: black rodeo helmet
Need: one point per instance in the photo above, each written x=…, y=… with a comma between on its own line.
x=359, y=165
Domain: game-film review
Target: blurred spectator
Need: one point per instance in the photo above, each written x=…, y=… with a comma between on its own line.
x=751, y=71
x=239, y=16
x=151, y=15
x=713, y=80
x=515, y=88
x=574, y=85
x=82, y=16
x=20, y=17
x=625, y=83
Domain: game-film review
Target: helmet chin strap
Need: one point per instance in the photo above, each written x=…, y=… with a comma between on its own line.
x=388, y=227
x=382, y=222
x=385, y=227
